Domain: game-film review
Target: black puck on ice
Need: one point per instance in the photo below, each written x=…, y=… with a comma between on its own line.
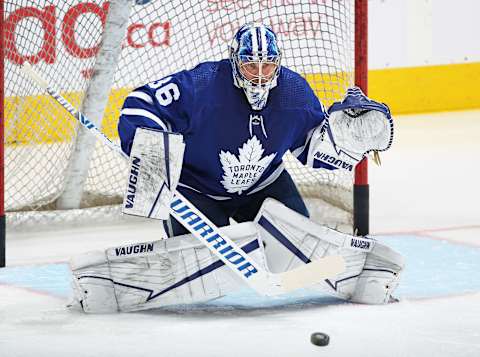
x=319, y=339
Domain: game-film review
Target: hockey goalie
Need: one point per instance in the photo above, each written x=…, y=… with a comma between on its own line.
x=216, y=135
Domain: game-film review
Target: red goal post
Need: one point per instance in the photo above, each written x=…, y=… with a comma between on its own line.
x=72, y=43
x=361, y=199
x=2, y=159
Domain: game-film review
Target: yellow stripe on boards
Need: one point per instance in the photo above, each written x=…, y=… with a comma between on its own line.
x=329, y=87
x=427, y=88
x=39, y=119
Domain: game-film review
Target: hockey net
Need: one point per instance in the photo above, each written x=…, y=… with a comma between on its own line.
x=62, y=39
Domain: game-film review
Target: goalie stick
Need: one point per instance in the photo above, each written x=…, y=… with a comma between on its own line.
x=261, y=280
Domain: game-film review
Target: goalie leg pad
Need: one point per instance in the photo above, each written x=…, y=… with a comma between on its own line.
x=372, y=269
x=178, y=270
x=93, y=288
x=380, y=276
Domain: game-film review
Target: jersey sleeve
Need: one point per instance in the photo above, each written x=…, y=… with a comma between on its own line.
x=315, y=115
x=165, y=104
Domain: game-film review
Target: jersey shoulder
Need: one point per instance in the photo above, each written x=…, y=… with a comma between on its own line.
x=194, y=81
x=206, y=74
x=213, y=84
x=294, y=91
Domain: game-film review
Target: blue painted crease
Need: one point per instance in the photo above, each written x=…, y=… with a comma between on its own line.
x=433, y=268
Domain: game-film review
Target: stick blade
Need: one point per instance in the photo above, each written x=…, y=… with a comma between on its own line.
x=312, y=273
x=28, y=70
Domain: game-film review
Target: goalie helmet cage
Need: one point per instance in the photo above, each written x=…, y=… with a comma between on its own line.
x=70, y=44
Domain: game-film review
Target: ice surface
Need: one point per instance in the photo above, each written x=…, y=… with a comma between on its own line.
x=424, y=204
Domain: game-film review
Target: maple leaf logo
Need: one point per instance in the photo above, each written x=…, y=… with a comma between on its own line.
x=242, y=172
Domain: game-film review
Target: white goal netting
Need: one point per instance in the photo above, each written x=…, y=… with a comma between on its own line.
x=62, y=40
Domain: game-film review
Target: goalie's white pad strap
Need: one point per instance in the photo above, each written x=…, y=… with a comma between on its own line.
x=178, y=270
x=155, y=164
x=372, y=269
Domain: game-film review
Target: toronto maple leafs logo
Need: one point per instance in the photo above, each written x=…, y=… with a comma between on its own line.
x=241, y=173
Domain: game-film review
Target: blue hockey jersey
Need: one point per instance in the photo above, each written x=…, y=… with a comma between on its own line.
x=230, y=149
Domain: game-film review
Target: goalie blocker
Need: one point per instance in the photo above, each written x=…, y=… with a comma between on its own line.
x=180, y=270
x=155, y=164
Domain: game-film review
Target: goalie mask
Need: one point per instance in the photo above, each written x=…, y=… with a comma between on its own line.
x=255, y=59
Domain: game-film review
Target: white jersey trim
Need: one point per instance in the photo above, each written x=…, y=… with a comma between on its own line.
x=269, y=180
x=141, y=95
x=146, y=114
x=298, y=151
x=217, y=198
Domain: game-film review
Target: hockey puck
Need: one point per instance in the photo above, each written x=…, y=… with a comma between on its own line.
x=319, y=339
